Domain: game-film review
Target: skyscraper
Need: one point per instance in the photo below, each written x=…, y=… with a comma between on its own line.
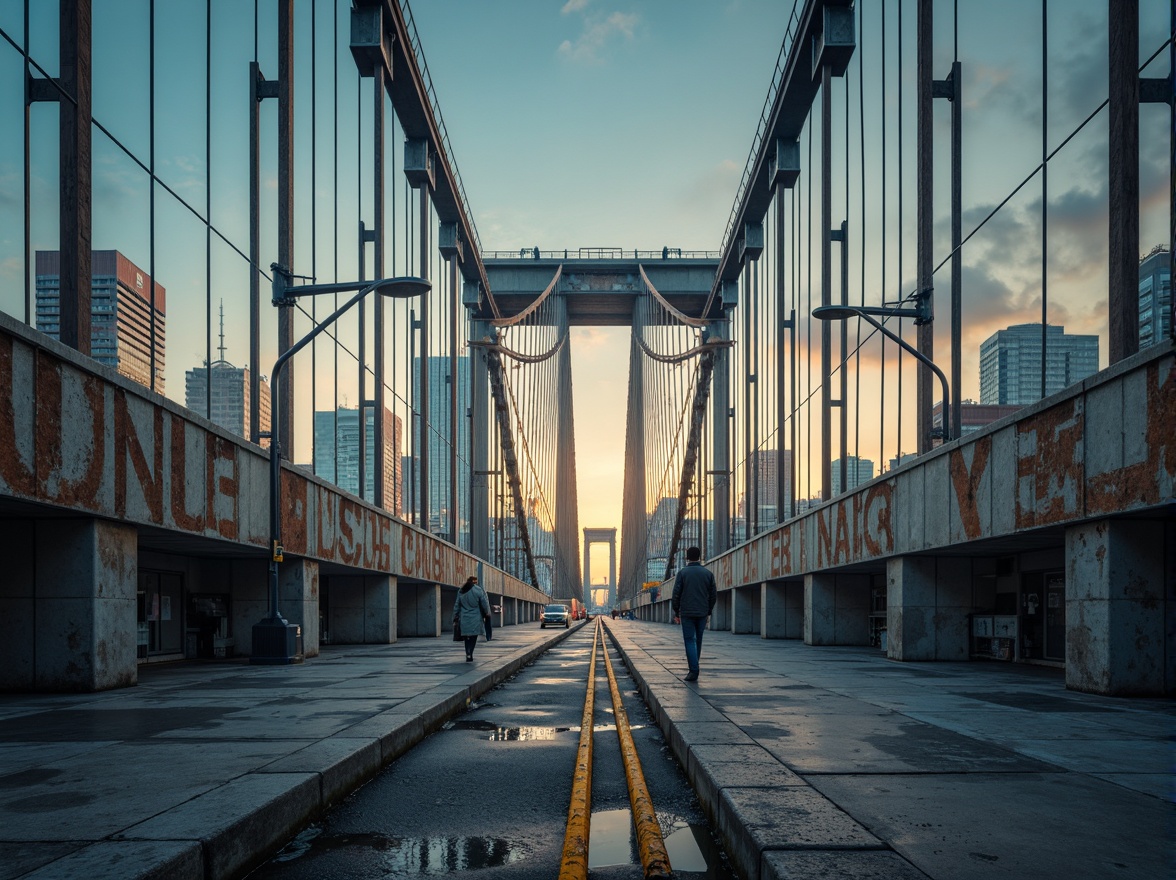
x=439, y=437
x=857, y=471
x=122, y=334
x=1155, y=297
x=229, y=393
x=336, y=452
x=1010, y=363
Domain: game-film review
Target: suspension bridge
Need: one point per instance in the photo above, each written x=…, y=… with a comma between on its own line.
x=429, y=431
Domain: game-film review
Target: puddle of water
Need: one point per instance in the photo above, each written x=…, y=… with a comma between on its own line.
x=506, y=734
x=610, y=839
x=693, y=850
x=411, y=856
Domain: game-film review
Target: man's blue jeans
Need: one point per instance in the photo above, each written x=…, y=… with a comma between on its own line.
x=692, y=630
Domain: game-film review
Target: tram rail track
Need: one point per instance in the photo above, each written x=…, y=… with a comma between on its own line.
x=655, y=860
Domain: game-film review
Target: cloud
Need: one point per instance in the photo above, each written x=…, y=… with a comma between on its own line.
x=574, y=6
x=598, y=33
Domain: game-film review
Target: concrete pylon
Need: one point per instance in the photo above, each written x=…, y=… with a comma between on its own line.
x=567, y=520
x=633, y=512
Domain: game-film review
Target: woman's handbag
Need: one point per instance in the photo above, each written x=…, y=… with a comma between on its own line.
x=457, y=630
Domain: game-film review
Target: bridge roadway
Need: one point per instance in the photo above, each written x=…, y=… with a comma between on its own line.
x=829, y=761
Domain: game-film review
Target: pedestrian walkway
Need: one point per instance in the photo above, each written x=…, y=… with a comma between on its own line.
x=205, y=767
x=836, y=762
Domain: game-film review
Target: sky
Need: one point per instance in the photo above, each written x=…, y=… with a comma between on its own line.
x=604, y=123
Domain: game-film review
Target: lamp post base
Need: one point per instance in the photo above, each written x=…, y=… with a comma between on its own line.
x=276, y=642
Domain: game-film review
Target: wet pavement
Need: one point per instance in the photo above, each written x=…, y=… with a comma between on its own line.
x=836, y=762
x=812, y=762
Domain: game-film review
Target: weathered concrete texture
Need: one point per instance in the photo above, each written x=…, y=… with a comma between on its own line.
x=782, y=610
x=754, y=820
x=248, y=581
x=362, y=609
x=1116, y=617
x=836, y=609
x=17, y=604
x=721, y=614
x=239, y=821
x=745, y=606
x=83, y=637
x=120, y=859
x=852, y=865
x=341, y=763
x=298, y=600
x=910, y=608
x=419, y=611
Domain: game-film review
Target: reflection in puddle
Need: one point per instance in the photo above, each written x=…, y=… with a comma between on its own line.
x=693, y=850
x=610, y=839
x=507, y=734
x=410, y=856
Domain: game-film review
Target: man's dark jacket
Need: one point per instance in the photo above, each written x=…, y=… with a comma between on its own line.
x=694, y=591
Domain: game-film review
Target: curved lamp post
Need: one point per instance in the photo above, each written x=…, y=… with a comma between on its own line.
x=276, y=641
x=921, y=314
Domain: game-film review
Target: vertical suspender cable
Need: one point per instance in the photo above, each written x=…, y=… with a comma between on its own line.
x=1044, y=182
x=208, y=202
x=885, y=223
x=901, y=223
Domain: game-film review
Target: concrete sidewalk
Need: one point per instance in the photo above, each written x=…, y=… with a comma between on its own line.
x=205, y=767
x=836, y=762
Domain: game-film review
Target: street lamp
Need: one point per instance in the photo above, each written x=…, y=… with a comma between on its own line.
x=921, y=313
x=275, y=641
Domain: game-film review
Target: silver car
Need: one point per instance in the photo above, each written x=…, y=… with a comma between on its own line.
x=556, y=615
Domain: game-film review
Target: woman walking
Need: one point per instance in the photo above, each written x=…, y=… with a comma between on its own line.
x=470, y=612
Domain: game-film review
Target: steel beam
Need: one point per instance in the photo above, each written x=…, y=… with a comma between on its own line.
x=826, y=279
x=720, y=440
x=479, y=442
x=925, y=218
x=1123, y=178
x=75, y=164
x=690, y=459
x=510, y=459
x=285, y=430
x=379, y=460
x=567, y=522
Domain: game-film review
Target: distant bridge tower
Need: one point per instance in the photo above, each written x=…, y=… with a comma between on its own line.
x=601, y=536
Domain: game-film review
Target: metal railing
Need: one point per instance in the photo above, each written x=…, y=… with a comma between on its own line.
x=600, y=253
x=419, y=53
x=765, y=115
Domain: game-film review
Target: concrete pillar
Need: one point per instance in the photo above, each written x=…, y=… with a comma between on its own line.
x=721, y=615
x=298, y=600
x=1119, y=595
x=745, y=609
x=781, y=610
x=363, y=609
x=927, y=605
x=819, y=608
x=720, y=438
x=68, y=606
x=910, y=608
x=836, y=609
x=480, y=429
x=419, y=611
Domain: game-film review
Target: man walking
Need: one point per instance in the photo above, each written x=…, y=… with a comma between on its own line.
x=694, y=598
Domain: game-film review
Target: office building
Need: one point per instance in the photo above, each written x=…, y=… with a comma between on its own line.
x=857, y=471
x=1010, y=363
x=122, y=332
x=973, y=417
x=439, y=438
x=1155, y=297
x=227, y=402
x=336, y=453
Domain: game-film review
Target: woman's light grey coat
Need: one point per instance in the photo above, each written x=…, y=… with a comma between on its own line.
x=470, y=609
